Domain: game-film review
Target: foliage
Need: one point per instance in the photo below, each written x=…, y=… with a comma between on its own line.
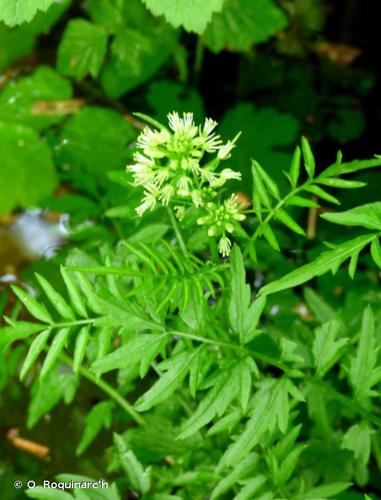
x=212, y=327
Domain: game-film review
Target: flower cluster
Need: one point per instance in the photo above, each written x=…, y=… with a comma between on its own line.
x=170, y=165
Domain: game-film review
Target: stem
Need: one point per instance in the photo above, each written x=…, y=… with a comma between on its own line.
x=177, y=231
x=105, y=387
x=198, y=60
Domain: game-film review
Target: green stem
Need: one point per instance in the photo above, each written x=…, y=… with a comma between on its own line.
x=176, y=229
x=198, y=60
x=105, y=387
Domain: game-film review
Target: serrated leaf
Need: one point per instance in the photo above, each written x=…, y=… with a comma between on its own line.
x=363, y=369
x=82, y=49
x=326, y=491
x=289, y=222
x=308, y=157
x=326, y=349
x=134, y=350
x=99, y=416
x=55, y=349
x=75, y=295
x=193, y=15
x=323, y=264
x=36, y=309
x=18, y=331
x=56, y=299
x=358, y=439
x=288, y=465
x=351, y=167
x=81, y=342
x=177, y=368
x=14, y=12
x=35, y=349
x=139, y=478
x=240, y=471
x=368, y=216
x=193, y=313
x=251, y=488
x=243, y=23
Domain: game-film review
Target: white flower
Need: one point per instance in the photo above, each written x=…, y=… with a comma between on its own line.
x=228, y=173
x=179, y=212
x=184, y=125
x=142, y=174
x=225, y=150
x=183, y=186
x=149, y=202
x=166, y=194
x=224, y=246
x=209, y=126
x=196, y=198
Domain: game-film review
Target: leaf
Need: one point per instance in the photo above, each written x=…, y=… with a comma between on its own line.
x=295, y=167
x=177, y=368
x=243, y=23
x=83, y=148
x=240, y=293
x=56, y=299
x=358, y=439
x=318, y=306
x=368, y=216
x=309, y=160
x=194, y=312
x=326, y=349
x=375, y=251
x=18, y=331
x=42, y=493
x=326, y=491
x=135, y=57
x=288, y=465
x=267, y=136
x=270, y=236
x=20, y=101
x=214, y=403
x=99, y=416
x=340, y=183
x=134, y=350
x=240, y=471
x=83, y=338
x=26, y=168
x=139, y=478
x=192, y=15
x=35, y=349
x=299, y=201
x=14, y=12
x=339, y=168
x=318, y=191
x=59, y=342
x=289, y=222
x=37, y=310
x=82, y=49
x=75, y=295
x=46, y=394
x=251, y=487
x=325, y=262
x=363, y=369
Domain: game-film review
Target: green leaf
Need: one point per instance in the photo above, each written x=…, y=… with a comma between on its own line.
x=375, y=251
x=299, y=201
x=358, y=439
x=83, y=338
x=14, y=12
x=82, y=49
x=295, y=167
x=368, y=215
x=309, y=160
x=340, y=183
x=139, y=478
x=135, y=57
x=318, y=191
x=18, y=331
x=251, y=488
x=271, y=186
x=326, y=349
x=83, y=148
x=288, y=465
x=289, y=222
x=99, y=416
x=177, y=368
x=42, y=493
x=243, y=23
x=46, y=394
x=26, y=168
x=325, y=491
x=270, y=236
x=21, y=100
x=363, y=369
x=339, y=168
x=319, y=307
x=215, y=402
x=35, y=349
x=193, y=15
x=325, y=262
x=36, y=309
x=75, y=294
x=244, y=468
x=59, y=342
x=193, y=312
x=56, y=299
x=134, y=350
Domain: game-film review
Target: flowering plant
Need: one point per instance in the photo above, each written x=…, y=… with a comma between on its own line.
x=173, y=167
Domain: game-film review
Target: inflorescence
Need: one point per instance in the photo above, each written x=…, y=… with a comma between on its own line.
x=170, y=165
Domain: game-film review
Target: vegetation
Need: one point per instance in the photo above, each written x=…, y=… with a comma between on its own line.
x=210, y=328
